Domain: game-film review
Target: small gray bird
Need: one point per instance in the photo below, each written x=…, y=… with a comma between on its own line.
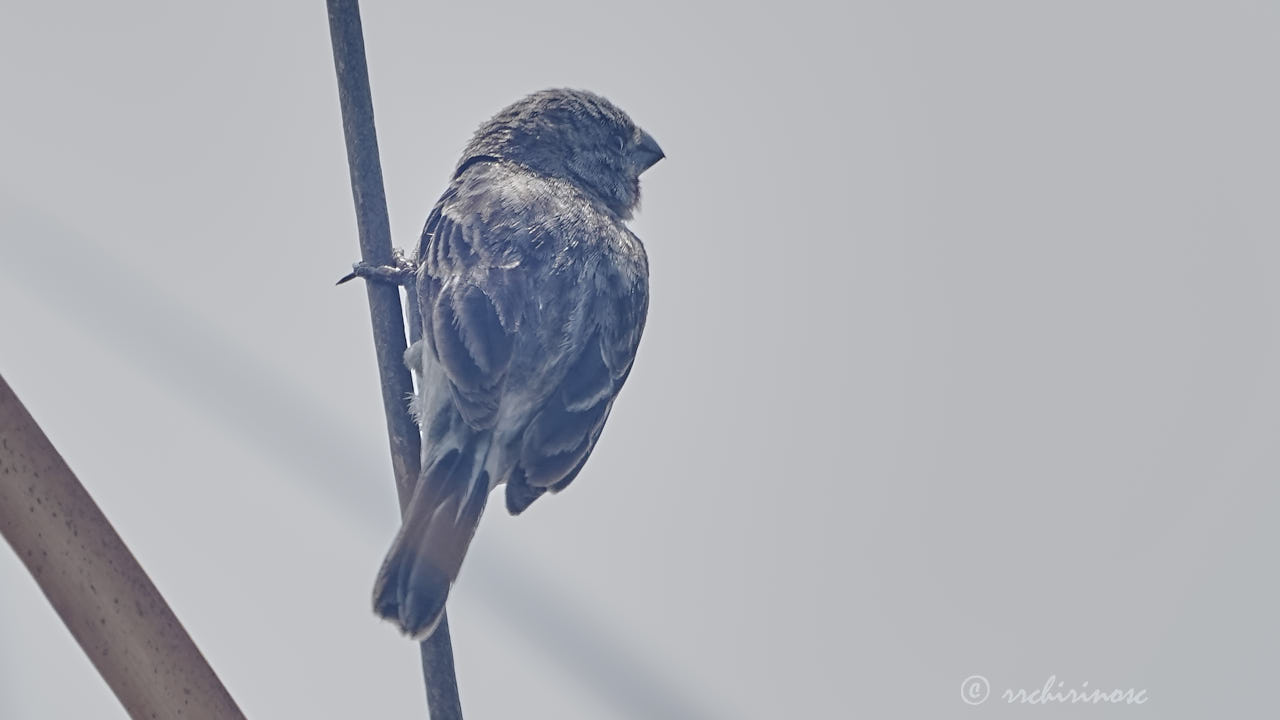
x=533, y=296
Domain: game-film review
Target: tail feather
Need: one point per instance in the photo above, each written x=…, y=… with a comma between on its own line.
x=427, y=554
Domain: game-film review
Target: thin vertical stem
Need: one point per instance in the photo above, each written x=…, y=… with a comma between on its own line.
x=385, y=310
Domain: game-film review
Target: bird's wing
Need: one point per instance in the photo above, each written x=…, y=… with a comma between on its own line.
x=564, y=431
x=471, y=299
x=471, y=302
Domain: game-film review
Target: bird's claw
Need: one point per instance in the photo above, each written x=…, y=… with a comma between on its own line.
x=400, y=273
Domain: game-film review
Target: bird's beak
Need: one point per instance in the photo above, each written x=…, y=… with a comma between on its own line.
x=648, y=152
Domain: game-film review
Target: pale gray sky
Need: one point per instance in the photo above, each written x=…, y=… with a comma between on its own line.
x=961, y=358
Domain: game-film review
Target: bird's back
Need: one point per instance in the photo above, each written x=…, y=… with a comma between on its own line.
x=568, y=286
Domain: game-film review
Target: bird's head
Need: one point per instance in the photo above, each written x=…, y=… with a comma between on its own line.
x=574, y=135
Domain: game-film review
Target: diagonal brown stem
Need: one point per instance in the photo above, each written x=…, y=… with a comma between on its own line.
x=95, y=584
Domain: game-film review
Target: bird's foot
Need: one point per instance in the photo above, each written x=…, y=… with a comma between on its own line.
x=399, y=273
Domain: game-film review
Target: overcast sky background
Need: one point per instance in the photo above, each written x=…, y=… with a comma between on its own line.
x=961, y=358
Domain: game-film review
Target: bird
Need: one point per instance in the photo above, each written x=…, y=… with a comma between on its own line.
x=532, y=293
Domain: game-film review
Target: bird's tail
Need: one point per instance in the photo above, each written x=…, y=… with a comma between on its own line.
x=424, y=560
